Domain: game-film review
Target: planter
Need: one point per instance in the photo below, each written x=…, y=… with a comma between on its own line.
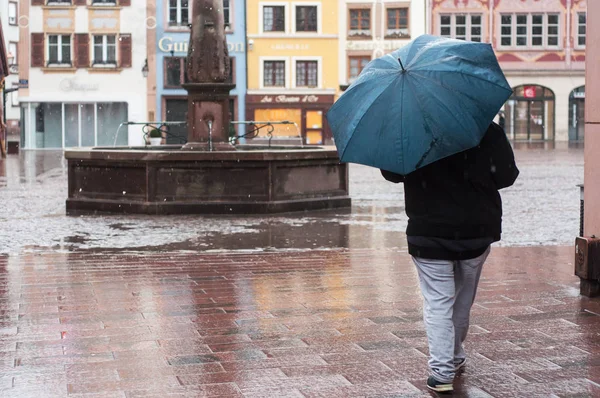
x=155, y=141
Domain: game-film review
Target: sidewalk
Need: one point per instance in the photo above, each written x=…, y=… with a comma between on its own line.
x=337, y=323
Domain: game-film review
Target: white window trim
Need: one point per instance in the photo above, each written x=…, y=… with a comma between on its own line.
x=577, y=24
x=168, y=15
x=468, y=25
x=529, y=46
x=286, y=16
x=60, y=44
x=319, y=71
x=319, y=18
x=104, y=62
x=261, y=76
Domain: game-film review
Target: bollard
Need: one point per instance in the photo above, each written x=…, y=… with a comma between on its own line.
x=587, y=265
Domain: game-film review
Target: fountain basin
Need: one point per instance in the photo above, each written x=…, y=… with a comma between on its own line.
x=166, y=180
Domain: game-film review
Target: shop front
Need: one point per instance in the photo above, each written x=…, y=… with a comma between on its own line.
x=530, y=113
x=577, y=114
x=48, y=125
x=306, y=114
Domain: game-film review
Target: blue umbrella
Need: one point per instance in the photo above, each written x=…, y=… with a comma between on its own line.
x=428, y=100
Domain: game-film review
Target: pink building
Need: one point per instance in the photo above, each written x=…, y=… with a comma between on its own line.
x=541, y=47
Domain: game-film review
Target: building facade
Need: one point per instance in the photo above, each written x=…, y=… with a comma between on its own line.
x=82, y=72
x=292, y=66
x=370, y=29
x=541, y=48
x=172, y=37
x=9, y=15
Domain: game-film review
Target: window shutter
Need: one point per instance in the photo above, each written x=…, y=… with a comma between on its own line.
x=125, y=3
x=37, y=2
x=81, y=2
x=125, y=51
x=82, y=50
x=37, y=50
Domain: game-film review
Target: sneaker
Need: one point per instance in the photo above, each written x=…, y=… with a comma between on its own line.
x=438, y=386
x=460, y=364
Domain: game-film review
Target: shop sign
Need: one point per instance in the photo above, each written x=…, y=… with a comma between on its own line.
x=372, y=45
x=288, y=46
x=168, y=44
x=529, y=92
x=289, y=99
x=24, y=83
x=73, y=85
x=579, y=94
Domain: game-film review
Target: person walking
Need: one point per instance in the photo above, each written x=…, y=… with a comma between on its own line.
x=454, y=214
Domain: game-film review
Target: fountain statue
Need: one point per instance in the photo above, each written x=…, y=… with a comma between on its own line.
x=208, y=69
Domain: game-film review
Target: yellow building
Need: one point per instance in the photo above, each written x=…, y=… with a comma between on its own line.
x=292, y=65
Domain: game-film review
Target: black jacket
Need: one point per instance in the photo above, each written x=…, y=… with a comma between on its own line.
x=457, y=197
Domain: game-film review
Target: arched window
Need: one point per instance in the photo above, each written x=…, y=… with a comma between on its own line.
x=530, y=113
x=577, y=114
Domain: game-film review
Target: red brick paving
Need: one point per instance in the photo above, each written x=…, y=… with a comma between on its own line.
x=342, y=323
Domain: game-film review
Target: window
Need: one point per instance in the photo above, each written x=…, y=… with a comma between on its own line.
x=12, y=13
x=360, y=22
x=306, y=18
x=174, y=71
x=13, y=55
x=104, y=2
x=105, y=50
x=397, y=23
x=506, y=30
x=179, y=11
x=307, y=74
x=581, y=29
x=227, y=13
x=274, y=19
x=462, y=26
x=529, y=30
x=58, y=2
x=59, y=49
x=274, y=74
x=356, y=65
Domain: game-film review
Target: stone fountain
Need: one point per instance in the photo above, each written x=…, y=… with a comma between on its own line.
x=208, y=175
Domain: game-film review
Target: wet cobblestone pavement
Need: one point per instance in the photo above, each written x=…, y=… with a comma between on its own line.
x=541, y=209
x=131, y=306
x=343, y=323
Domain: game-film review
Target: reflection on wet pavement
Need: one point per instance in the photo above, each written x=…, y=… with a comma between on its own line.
x=337, y=323
x=542, y=208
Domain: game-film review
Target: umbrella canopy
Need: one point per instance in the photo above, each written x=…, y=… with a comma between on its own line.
x=428, y=100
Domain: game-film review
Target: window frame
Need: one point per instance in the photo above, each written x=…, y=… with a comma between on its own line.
x=104, y=62
x=59, y=62
x=468, y=26
x=318, y=61
x=286, y=69
x=261, y=23
x=387, y=20
x=178, y=23
x=182, y=65
x=295, y=13
x=13, y=5
x=357, y=57
x=529, y=36
x=578, y=34
x=357, y=33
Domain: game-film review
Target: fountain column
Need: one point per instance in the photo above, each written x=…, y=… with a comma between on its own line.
x=208, y=68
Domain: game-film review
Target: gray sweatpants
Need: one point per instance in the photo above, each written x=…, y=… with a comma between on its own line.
x=449, y=289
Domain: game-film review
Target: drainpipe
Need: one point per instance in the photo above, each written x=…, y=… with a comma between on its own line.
x=245, y=49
